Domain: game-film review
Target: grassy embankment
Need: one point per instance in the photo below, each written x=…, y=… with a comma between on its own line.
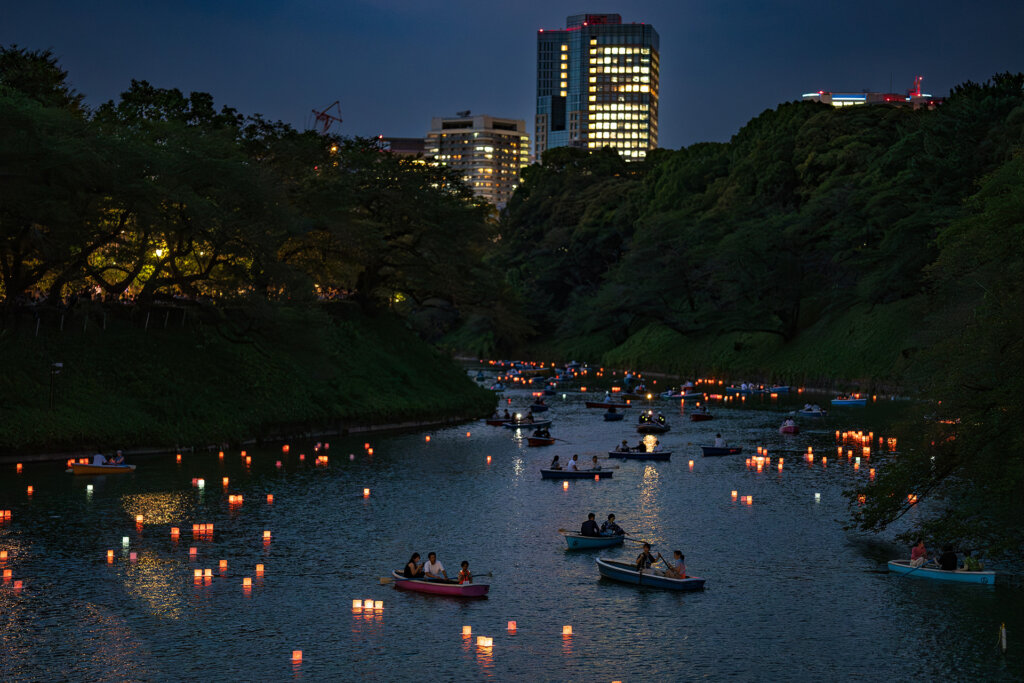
x=209, y=381
x=865, y=348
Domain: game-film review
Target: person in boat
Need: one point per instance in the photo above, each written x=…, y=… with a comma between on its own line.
x=677, y=567
x=815, y=408
x=644, y=418
x=948, y=559
x=434, y=569
x=594, y=465
x=645, y=559
x=720, y=442
x=623, y=448
x=118, y=459
x=555, y=465
x=99, y=459
x=574, y=464
x=641, y=447
x=508, y=415
x=495, y=415
x=611, y=409
x=542, y=433
x=465, y=576
x=589, y=527
x=918, y=554
x=610, y=528
x=413, y=568
x=661, y=419
x=529, y=416
x=971, y=563
x=657, y=446
x=788, y=422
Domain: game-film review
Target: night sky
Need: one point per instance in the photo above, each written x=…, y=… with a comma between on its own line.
x=395, y=63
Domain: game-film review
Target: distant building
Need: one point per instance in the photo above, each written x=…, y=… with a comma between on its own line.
x=406, y=147
x=489, y=152
x=913, y=98
x=597, y=86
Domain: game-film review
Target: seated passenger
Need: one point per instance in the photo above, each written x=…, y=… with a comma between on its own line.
x=555, y=465
x=948, y=559
x=720, y=442
x=413, y=568
x=589, y=527
x=610, y=528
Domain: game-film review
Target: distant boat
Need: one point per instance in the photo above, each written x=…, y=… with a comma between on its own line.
x=80, y=468
x=694, y=394
x=789, y=429
x=640, y=455
x=958, y=575
x=626, y=572
x=538, y=407
x=812, y=413
x=575, y=474
x=784, y=389
x=721, y=450
x=496, y=422
x=849, y=401
x=581, y=542
x=522, y=424
x=701, y=417
x=540, y=441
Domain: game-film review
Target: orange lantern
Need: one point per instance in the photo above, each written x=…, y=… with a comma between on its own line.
x=247, y=582
x=467, y=630
x=565, y=486
x=30, y=490
x=366, y=493
x=567, y=630
x=207, y=573
x=734, y=495
x=270, y=498
x=175, y=531
x=266, y=535
x=488, y=460
x=110, y=556
x=18, y=467
x=138, y=519
x=357, y=605
x=178, y=457
x=224, y=481
x=223, y=565
x=428, y=438
x=296, y=655
x=511, y=626
x=285, y=448
x=259, y=570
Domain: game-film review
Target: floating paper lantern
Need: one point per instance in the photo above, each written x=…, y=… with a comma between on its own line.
x=278, y=463
x=871, y=473
x=208, y=573
x=18, y=467
x=30, y=490
x=734, y=495
x=366, y=493
x=483, y=641
x=88, y=488
x=259, y=570
x=357, y=605
x=296, y=655
x=225, y=481
x=270, y=498
x=351, y=456
x=133, y=556
x=567, y=630
x=285, y=448
x=817, y=497
x=824, y=462
x=17, y=585
x=124, y=541
x=223, y=565
x=912, y=499
x=247, y=582
x=200, y=483
x=862, y=499
x=467, y=630
x=488, y=460
x=192, y=552
x=244, y=454
x=138, y=519
x=428, y=438
x=302, y=456
x=248, y=460
x=597, y=477
x=8, y=574
x=378, y=605
x=467, y=435
x=369, y=451
x=691, y=465
x=266, y=535
x=197, y=574
x=366, y=446
x=367, y=604
x=750, y=500
x=565, y=485
x=511, y=626
x=110, y=555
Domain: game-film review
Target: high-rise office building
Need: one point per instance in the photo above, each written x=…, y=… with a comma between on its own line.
x=489, y=152
x=597, y=86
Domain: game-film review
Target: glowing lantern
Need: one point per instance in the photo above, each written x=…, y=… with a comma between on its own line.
x=133, y=556
x=247, y=582
x=197, y=574
x=17, y=585
x=3, y=555
x=565, y=486
x=467, y=435
x=511, y=626
x=200, y=483
x=567, y=630
x=750, y=500
x=224, y=481
x=366, y=446
x=428, y=438
x=483, y=641
x=88, y=488
x=817, y=497
x=467, y=630
x=367, y=604
x=357, y=605
x=285, y=448
x=780, y=465
x=302, y=456
x=912, y=499
x=244, y=454
x=8, y=574
x=192, y=553
x=734, y=495
x=366, y=493
x=296, y=655
x=110, y=556
x=871, y=473
x=30, y=489
x=369, y=452
x=862, y=499
x=856, y=465
x=175, y=531
x=824, y=462
x=259, y=570
x=378, y=605
x=488, y=460
x=266, y=535
x=583, y=389
x=270, y=498
x=691, y=465
x=221, y=455
x=124, y=541
x=351, y=456
x=597, y=477
x=248, y=460
x=18, y=467
x=177, y=458
x=223, y=565
x=278, y=463
x=138, y=519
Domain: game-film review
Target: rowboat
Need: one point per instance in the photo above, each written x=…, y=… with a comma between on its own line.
x=496, y=422
x=694, y=394
x=581, y=542
x=538, y=407
x=78, y=468
x=454, y=590
x=601, y=404
x=671, y=394
x=575, y=474
x=613, y=417
x=526, y=425
x=640, y=455
x=652, y=428
x=740, y=390
x=701, y=417
x=721, y=450
x=540, y=441
x=781, y=389
x=849, y=401
x=789, y=429
x=959, y=575
x=627, y=572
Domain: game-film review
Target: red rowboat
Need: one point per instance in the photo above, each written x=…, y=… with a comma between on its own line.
x=455, y=590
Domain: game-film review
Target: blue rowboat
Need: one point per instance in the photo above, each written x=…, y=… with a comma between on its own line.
x=581, y=542
x=527, y=425
x=987, y=578
x=693, y=395
x=718, y=450
x=626, y=572
x=640, y=455
x=849, y=401
x=575, y=474
x=612, y=417
x=671, y=394
x=782, y=389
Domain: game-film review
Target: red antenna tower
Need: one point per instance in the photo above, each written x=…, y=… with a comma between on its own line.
x=325, y=118
x=916, y=92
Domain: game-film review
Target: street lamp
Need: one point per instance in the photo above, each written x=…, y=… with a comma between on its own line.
x=55, y=369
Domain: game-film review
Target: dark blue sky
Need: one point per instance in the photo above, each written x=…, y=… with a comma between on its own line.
x=395, y=63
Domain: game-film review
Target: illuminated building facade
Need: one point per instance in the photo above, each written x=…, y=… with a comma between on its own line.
x=489, y=152
x=597, y=86
x=913, y=98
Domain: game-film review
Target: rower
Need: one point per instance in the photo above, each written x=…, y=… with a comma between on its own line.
x=645, y=559
x=574, y=463
x=589, y=527
x=720, y=442
x=99, y=459
x=434, y=569
x=610, y=528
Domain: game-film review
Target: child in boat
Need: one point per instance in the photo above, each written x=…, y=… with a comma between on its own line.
x=464, y=574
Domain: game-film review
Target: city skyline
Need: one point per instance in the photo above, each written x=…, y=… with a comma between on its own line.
x=720, y=64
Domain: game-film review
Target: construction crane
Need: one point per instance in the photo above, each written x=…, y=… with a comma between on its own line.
x=324, y=119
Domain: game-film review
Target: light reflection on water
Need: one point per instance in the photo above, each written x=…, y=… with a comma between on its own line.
x=790, y=595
